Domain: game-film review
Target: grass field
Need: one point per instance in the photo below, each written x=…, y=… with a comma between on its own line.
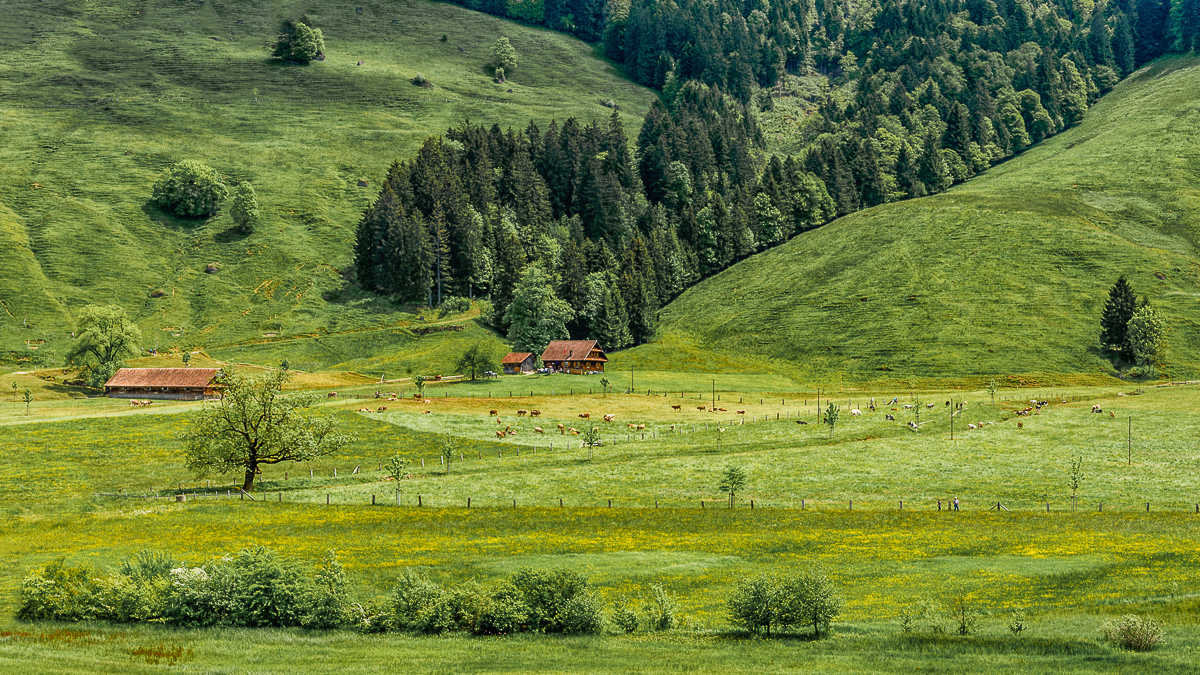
x=1069, y=569
x=99, y=98
x=1005, y=274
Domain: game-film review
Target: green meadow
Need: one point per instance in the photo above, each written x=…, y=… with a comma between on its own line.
x=98, y=489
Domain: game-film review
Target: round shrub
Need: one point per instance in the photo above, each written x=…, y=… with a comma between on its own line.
x=189, y=188
x=1134, y=632
x=504, y=612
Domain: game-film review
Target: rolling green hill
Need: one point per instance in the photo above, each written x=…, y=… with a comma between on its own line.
x=1003, y=275
x=99, y=98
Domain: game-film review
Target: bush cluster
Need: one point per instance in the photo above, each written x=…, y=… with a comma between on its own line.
x=254, y=587
x=455, y=305
x=541, y=601
x=806, y=599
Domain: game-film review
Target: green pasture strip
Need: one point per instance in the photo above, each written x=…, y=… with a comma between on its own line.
x=1066, y=646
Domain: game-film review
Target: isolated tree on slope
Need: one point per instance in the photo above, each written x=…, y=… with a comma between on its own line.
x=303, y=44
x=1144, y=334
x=503, y=55
x=477, y=359
x=244, y=207
x=253, y=424
x=1114, y=321
x=189, y=188
x=105, y=337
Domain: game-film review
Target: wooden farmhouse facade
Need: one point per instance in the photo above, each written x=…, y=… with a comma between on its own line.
x=179, y=384
x=516, y=363
x=575, y=356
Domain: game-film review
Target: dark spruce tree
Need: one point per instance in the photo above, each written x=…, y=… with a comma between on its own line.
x=1114, y=321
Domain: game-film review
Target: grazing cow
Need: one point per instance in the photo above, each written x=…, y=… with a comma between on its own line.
x=701, y=408
x=801, y=422
x=1020, y=425
x=574, y=431
x=929, y=405
x=562, y=429
x=856, y=412
x=721, y=430
x=535, y=413
x=426, y=401
x=609, y=418
x=521, y=413
x=426, y=412
x=741, y=412
x=134, y=401
x=364, y=410
x=585, y=416
x=382, y=408
x=676, y=407
x=1096, y=408
x=499, y=420
x=1112, y=414
x=889, y=418
x=641, y=427
x=672, y=428
x=493, y=413
x=332, y=394
x=947, y=404
x=538, y=430
x=913, y=426
x=722, y=410
x=513, y=432
x=500, y=433
x=146, y=401
x=972, y=426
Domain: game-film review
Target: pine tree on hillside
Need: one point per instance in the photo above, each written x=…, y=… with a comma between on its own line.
x=1114, y=321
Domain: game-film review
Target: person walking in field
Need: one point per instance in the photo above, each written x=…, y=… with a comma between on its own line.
x=939, y=503
x=956, y=503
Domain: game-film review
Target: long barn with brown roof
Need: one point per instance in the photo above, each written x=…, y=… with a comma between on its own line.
x=181, y=384
x=575, y=356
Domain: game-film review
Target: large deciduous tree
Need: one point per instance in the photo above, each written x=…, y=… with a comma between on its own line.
x=477, y=359
x=536, y=315
x=105, y=337
x=300, y=42
x=1144, y=335
x=253, y=424
x=189, y=188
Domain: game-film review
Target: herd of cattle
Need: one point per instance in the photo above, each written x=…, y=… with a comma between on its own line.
x=1035, y=406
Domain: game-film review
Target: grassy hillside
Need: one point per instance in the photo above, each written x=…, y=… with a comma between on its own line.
x=1005, y=274
x=99, y=98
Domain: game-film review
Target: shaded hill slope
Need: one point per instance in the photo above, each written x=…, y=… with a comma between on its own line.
x=1005, y=274
x=99, y=98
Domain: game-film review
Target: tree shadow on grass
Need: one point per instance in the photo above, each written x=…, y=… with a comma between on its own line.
x=173, y=222
x=231, y=235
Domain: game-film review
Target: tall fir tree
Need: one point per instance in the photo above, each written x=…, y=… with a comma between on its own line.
x=1114, y=321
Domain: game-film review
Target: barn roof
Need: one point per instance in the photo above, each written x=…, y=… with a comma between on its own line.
x=561, y=350
x=516, y=358
x=163, y=377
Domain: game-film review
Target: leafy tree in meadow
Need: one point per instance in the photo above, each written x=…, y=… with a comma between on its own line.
x=477, y=359
x=189, y=188
x=300, y=42
x=503, y=55
x=733, y=480
x=244, y=207
x=831, y=417
x=1144, y=335
x=1114, y=321
x=536, y=316
x=105, y=336
x=255, y=424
